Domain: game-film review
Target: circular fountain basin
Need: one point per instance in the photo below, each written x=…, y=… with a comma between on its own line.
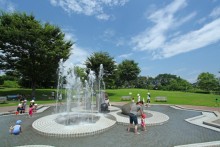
x=51, y=125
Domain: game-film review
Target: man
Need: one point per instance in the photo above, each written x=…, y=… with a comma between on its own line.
x=134, y=109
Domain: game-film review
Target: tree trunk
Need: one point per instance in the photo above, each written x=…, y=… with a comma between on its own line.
x=33, y=87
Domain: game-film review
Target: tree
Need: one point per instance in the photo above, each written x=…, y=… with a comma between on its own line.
x=31, y=48
x=80, y=72
x=128, y=71
x=207, y=81
x=171, y=82
x=93, y=63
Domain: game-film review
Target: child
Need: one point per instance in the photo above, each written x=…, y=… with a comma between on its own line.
x=16, y=130
x=31, y=110
x=35, y=108
x=19, y=109
x=132, y=100
x=139, y=97
x=143, y=124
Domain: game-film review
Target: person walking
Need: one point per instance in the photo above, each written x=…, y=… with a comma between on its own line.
x=134, y=109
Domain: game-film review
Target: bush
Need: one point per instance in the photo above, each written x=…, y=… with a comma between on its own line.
x=11, y=84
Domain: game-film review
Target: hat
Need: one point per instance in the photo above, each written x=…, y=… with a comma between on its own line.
x=18, y=122
x=138, y=94
x=32, y=101
x=148, y=93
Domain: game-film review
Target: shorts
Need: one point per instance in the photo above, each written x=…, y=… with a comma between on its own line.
x=133, y=119
x=148, y=100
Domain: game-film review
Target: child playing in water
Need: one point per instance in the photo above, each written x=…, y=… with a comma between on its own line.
x=16, y=129
x=143, y=124
x=31, y=110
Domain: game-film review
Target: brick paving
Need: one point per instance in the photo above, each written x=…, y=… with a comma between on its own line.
x=176, y=131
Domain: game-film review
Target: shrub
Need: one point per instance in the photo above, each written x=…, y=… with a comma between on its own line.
x=11, y=84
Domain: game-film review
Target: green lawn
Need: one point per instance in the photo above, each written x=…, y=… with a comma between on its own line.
x=183, y=98
x=174, y=97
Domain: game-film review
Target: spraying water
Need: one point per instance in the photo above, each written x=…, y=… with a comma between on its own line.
x=80, y=96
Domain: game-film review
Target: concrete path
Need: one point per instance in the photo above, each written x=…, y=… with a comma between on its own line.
x=175, y=132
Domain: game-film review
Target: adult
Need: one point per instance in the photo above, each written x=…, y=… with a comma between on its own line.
x=134, y=109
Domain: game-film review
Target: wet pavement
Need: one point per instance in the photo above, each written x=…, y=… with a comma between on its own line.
x=176, y=131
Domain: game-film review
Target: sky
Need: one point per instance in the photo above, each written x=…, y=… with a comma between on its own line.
x=179, y=37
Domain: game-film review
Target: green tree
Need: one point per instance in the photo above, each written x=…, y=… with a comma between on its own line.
x=93, y=63
x=31, y=48
x=207, y=81
x=171, y=82
x=80, y=72
x=128, y=71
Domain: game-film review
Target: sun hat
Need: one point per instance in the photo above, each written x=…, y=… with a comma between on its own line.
x=18, y=122
x=32, y=101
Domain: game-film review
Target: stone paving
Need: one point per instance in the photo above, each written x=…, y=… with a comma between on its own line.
x=173, y=132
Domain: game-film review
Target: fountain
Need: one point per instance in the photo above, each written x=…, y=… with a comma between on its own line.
x=80, y=115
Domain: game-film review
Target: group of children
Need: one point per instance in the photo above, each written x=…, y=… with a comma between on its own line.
x=22, y=107
x=16, y=129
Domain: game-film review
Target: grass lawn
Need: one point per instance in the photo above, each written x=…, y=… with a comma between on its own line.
x=173, y=97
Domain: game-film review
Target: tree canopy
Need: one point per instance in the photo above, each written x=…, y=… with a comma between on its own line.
x=93, y=63
x=207, y=81
x=128, y=71
x=31, y=48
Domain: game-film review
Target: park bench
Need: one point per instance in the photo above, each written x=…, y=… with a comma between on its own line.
x=160, y=99
x=12, y=97
x=126, y=98
x=3, y=99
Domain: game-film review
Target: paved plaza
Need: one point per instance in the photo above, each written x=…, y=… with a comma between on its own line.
x=174, y=127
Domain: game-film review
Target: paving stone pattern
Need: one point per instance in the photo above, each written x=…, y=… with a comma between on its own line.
x=176, y=131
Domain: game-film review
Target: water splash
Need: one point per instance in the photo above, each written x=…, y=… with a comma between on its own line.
x=81, y=97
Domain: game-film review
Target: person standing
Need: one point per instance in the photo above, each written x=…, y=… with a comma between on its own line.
x=139, y=97
x=134, y=109
x=148, y=98
x=143, y=123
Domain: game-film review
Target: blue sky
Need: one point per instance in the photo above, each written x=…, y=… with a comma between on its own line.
x=180, y=37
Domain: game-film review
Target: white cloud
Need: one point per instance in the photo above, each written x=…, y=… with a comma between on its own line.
x=153, y=38
x=88, y=7
x=215, y=13
x=196, y=39
x=77, y=58
x=103, y=16
x=78, y=55
x=7, y=5
x=125, y=55
x=157, y=41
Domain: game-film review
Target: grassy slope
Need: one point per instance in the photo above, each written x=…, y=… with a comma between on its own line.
x=173, y=97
